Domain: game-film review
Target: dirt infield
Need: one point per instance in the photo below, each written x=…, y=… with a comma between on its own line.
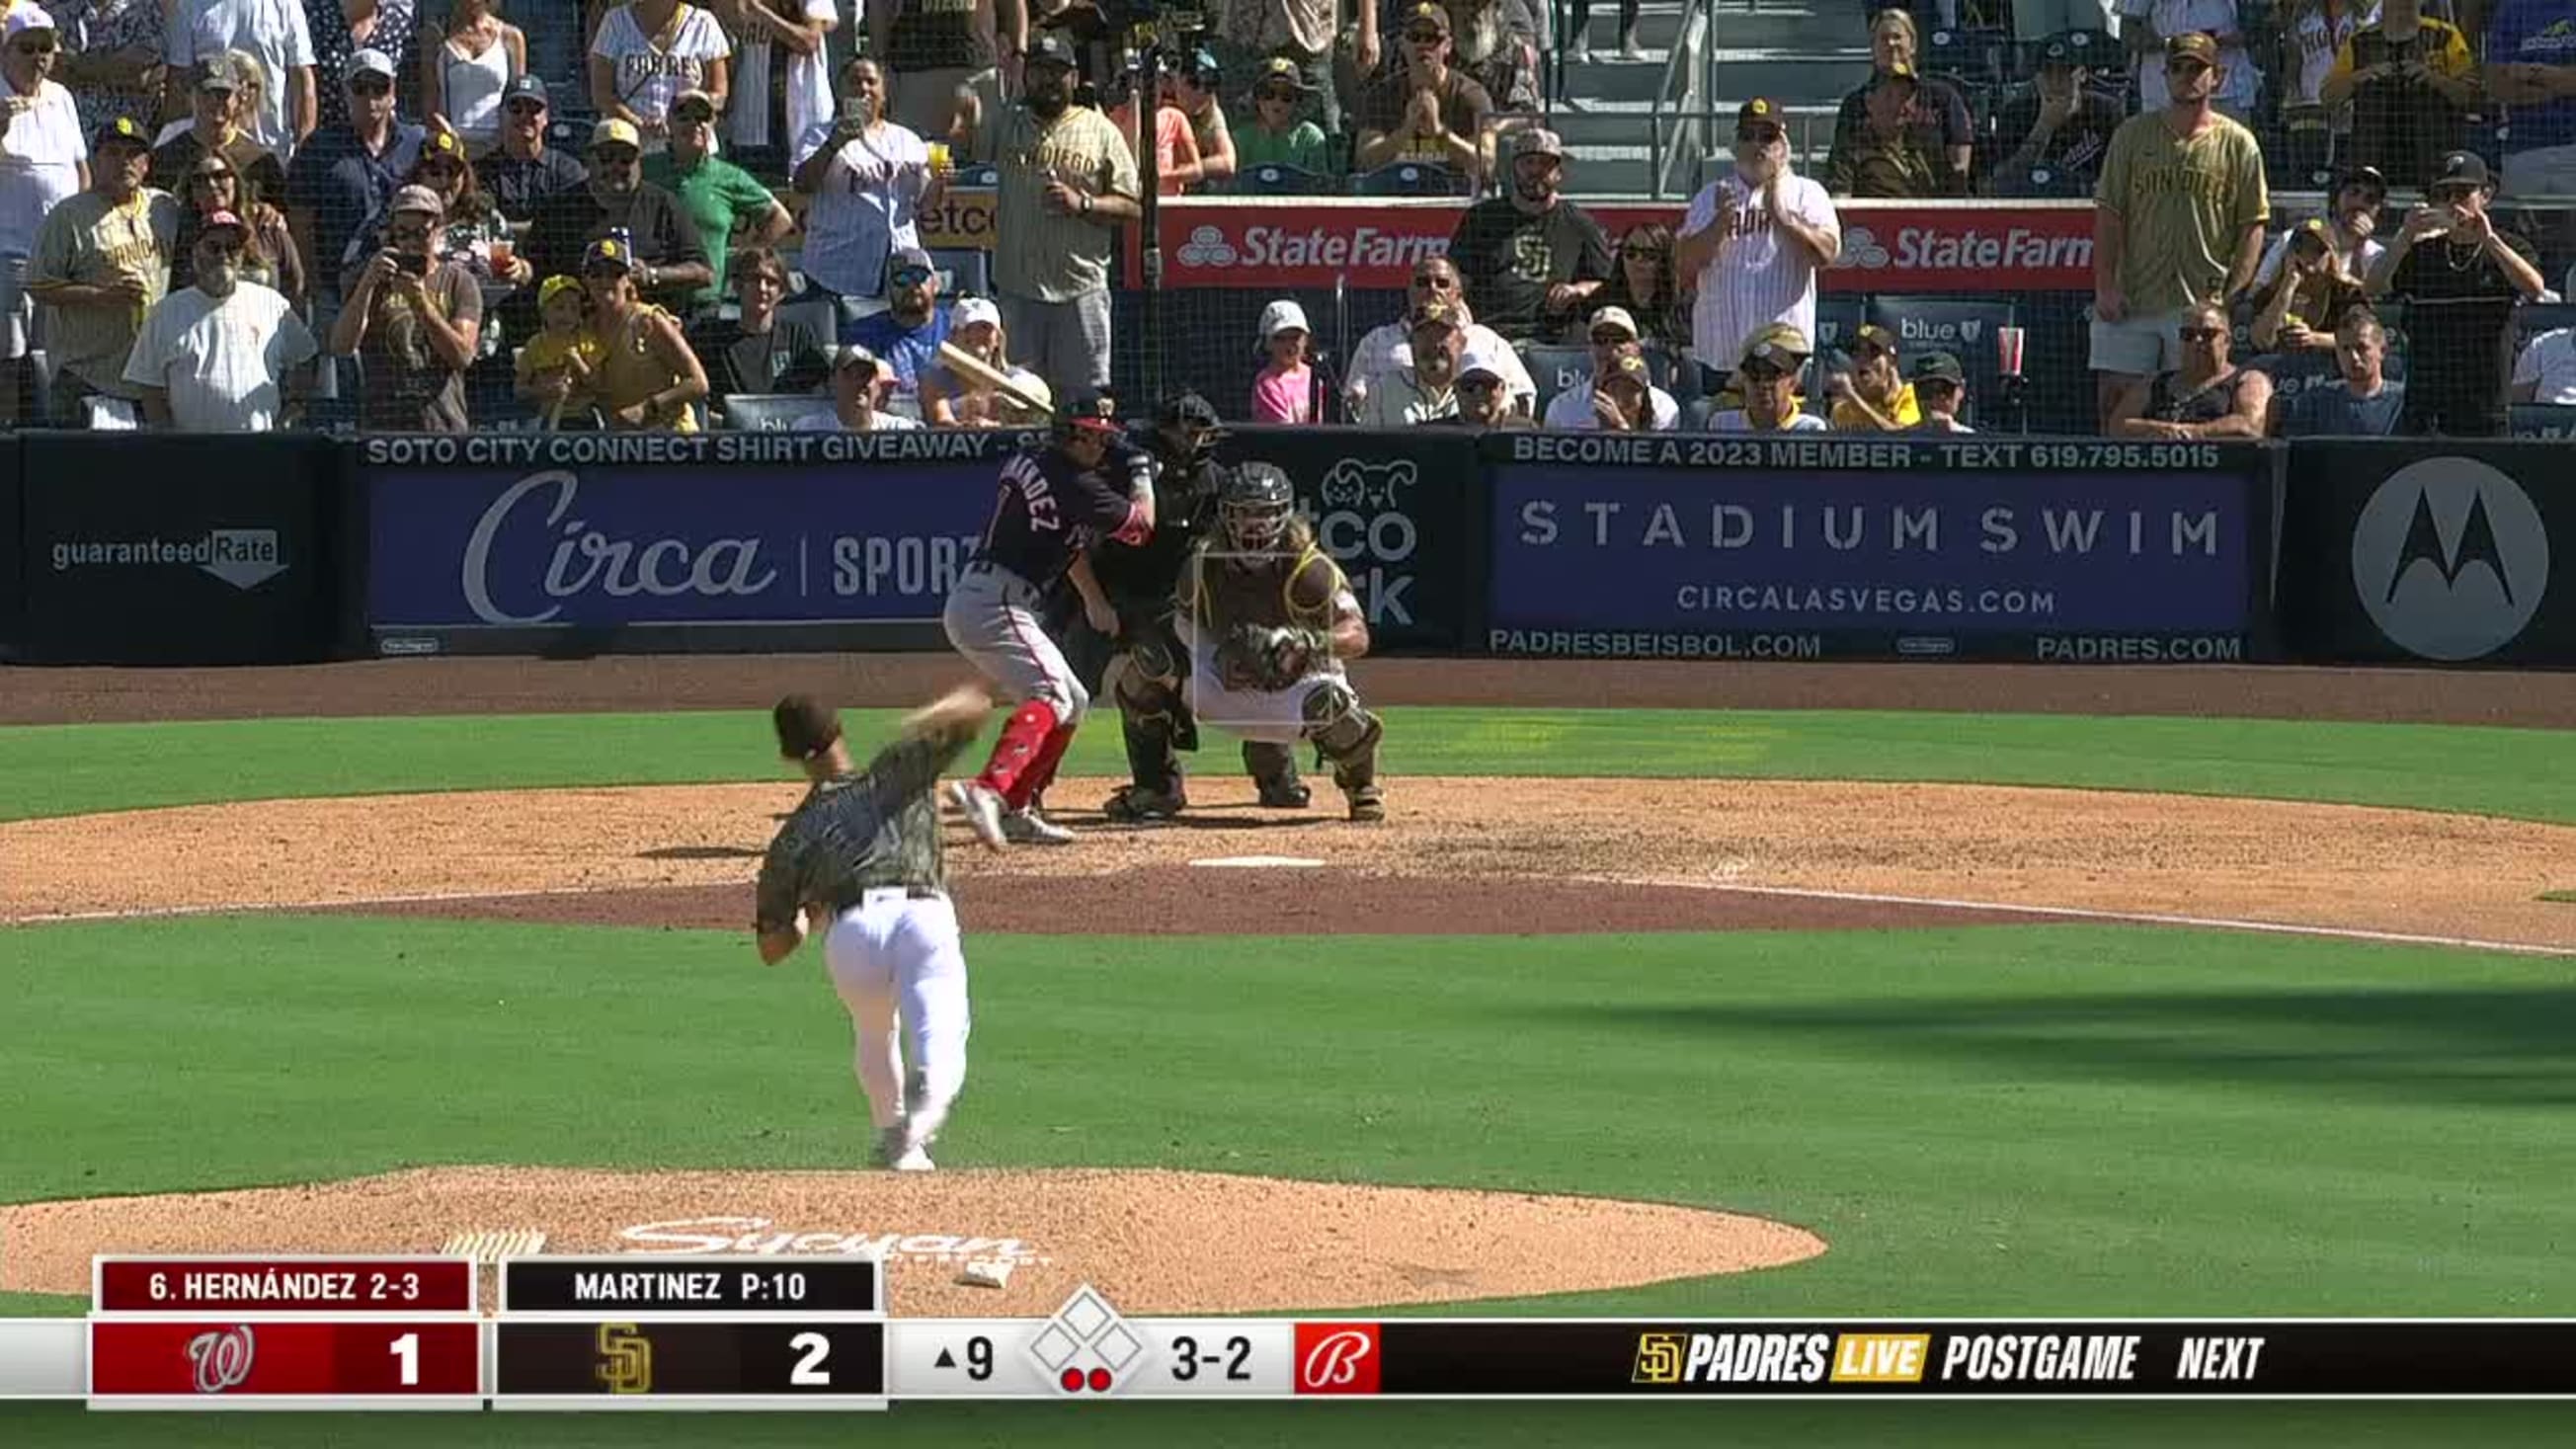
x=1580, y=854
x=1152, y=1241
x=736, y=681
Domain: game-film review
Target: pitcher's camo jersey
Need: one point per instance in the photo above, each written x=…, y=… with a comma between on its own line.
x=855, y=833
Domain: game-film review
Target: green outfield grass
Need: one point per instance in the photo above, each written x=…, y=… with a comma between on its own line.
x=2076, y=1120
x=2527, y=774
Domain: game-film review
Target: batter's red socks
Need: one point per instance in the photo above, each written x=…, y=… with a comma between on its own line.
x=1012, y=771
x=1041, y=771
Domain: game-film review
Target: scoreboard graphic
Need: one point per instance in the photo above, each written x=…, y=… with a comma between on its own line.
x=757, y=1332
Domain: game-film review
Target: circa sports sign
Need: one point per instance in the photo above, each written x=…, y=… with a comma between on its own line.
x=1896, y=246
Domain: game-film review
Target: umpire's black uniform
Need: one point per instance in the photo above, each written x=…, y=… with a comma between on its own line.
x=1139, y=579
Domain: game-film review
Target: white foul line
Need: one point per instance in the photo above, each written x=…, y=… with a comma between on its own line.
x=2000, y=908
x=2145, y=918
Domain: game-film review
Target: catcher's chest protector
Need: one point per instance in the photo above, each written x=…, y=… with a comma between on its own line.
x=1283, y=591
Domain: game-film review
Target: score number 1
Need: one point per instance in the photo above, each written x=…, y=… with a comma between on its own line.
x=1187, y=1360
x=406, y=1349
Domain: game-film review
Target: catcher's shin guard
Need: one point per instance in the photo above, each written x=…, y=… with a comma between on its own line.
x=1347, y=735
x=1273, y=769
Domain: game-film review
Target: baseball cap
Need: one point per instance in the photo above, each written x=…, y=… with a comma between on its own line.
x=1539, y=141
x=2058, y=49
x=222, y=221
x=1090, y=409
x=611, y=250
x=2192, y=45
x=1435, y=314
x=1050, y=49
x=368, y=62
x=1280, y=316
x=1614, y=317
x=1627, y=367
x=2314, y=226
x=615, y=131
x=806, y=726
x=25, y=18
x=1780, y=343
x=1876, y=336
x=214, y=75
x=416, y=199
x=2369, y=176
x=853, y=355
x=697, y=98
x=973, y=310
x=907, y=259
x=1939, y=367
x=1200, y=65
x=1427, y=14
x=555, y=286
x=1281, y=68
x=441, y=143
x=528, y=86
x=1757, y=114
x=2459, y=168
x=1480, y=363
x=121, y=131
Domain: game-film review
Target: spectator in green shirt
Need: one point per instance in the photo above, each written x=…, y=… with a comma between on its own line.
x=1274, y=136
x=720, y=198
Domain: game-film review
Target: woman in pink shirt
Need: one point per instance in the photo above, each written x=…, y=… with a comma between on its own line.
x=1285, y=390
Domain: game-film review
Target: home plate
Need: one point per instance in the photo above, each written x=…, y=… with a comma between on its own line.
x=1299, y=862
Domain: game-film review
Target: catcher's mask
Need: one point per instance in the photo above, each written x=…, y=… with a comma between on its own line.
x=1188, y=429
x=1256, y=506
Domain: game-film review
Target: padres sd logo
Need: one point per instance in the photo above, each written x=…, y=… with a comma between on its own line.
x=625, y=1359
x=1659, y=1359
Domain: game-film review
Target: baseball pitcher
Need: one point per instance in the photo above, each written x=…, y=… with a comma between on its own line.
x=1268, y=619
x=1058, y=500
x=862, y=854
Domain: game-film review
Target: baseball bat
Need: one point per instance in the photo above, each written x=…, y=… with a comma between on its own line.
x=967, y=365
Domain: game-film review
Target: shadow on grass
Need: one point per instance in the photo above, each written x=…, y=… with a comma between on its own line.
x=2508, y=1046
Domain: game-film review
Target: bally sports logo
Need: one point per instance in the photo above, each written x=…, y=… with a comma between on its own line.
x=1338, y=1358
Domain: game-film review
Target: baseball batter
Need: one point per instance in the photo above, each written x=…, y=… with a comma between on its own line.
x=1140, y=581
x=1268, y=619
x=1057, y=500
x=862, y=853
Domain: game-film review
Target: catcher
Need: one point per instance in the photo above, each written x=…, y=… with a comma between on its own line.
x=1268, y=619
x=1139, y=580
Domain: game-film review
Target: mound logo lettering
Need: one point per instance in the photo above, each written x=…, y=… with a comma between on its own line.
x=2450, y=558
x=1338, y=1358
x=222, y=1358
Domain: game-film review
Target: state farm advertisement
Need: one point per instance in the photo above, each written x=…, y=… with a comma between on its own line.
x=1888, y=246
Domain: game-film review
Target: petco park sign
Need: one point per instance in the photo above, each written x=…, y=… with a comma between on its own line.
x=1888, y=246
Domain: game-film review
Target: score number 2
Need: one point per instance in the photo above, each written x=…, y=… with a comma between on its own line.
x=1186, y=1359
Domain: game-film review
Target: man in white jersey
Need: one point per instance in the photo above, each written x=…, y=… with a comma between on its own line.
x=1755, y=241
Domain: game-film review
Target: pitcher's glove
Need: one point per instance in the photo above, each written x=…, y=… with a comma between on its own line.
x=1268, y=660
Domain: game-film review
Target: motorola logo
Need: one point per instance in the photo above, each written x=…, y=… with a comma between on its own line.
x=2450, y=558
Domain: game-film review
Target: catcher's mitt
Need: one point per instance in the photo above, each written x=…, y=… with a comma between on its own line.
x=1256, y=658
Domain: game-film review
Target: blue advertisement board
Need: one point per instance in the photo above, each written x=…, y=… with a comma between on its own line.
x=1827, y=547
x=495, y=541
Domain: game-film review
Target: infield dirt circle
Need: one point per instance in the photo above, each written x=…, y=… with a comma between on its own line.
x=1460, y=856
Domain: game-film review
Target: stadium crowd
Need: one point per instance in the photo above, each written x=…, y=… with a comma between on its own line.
x=234, y=215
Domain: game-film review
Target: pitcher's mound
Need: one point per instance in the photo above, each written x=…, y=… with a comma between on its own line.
x=1154, y=1242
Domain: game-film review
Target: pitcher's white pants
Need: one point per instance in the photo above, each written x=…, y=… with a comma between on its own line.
x=898, y=965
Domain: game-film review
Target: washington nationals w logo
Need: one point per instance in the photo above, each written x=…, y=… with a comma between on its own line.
x=222, y=1358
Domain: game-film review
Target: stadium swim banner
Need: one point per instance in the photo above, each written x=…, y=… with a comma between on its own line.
x=1888, y=246
x=1815, y=546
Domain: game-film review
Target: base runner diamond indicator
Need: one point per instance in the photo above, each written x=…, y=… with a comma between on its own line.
x=1086, y=1345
